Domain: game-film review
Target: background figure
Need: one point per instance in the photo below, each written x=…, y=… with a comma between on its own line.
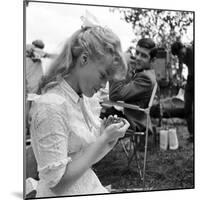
x=186, y=56
x=34, y=70
x=138, y=86
x=34, y=74
x=65, y=137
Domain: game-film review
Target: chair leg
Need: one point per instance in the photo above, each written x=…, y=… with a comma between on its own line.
x=129, y=151
x=132, y=151
x=137, y=159
x=124, y=148
x=145, y=152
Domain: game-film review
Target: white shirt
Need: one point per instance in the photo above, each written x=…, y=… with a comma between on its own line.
x=62, y=125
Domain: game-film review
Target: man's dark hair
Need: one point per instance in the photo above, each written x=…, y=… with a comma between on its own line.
x=176, y=47
x=38, y=44
x=148, y=43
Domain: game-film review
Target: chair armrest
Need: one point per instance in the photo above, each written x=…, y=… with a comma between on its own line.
x=121, y=104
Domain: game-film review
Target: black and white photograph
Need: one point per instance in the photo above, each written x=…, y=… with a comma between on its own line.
x=108, y=99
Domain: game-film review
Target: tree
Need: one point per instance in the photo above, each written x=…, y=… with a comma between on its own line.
x=161, y=25
x=164, y=27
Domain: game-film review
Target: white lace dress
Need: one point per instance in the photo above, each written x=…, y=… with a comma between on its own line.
x=62, y=125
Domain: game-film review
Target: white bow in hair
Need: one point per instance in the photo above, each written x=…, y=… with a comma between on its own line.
x=89, y=20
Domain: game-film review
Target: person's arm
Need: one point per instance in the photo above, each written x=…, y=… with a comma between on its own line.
x=82, y=163
x=52, y=143
x=180, y=69
x=122, y=91
x=90, y=155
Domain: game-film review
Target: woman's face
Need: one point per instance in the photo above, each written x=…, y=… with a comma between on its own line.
x=94, y=75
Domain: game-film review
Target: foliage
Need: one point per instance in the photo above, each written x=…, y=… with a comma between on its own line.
x=161, y=25
x=164, y=27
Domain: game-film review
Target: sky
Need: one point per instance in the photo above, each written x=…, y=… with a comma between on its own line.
x=53, y=23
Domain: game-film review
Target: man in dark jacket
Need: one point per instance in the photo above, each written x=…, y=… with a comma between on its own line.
x=138, y=86
x=186, y=56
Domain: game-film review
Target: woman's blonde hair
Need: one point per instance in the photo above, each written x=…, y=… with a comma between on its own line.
x=97, y=42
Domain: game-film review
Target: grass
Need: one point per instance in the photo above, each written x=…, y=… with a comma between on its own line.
x=169, y=169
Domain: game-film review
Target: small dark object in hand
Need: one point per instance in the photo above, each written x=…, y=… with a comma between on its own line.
x=113, y=120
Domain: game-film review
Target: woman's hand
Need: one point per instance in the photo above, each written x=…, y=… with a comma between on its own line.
x=114, y=131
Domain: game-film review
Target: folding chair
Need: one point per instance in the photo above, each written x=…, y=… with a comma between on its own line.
x=131, y=150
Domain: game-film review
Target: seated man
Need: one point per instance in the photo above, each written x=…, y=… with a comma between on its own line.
x=138, y=87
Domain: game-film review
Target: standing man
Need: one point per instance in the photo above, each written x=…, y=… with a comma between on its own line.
x=138, y=86
x=186, y=56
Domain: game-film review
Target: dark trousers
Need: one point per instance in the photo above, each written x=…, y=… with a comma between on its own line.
x=189, y=105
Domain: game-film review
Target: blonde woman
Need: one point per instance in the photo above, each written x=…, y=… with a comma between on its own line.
x=66, y=141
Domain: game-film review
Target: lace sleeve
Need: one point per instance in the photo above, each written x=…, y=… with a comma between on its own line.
x=50, y=143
